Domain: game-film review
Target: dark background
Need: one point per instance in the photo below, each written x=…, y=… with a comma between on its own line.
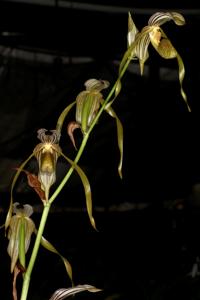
x=148, y=239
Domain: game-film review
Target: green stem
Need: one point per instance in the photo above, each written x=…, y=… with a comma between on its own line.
x=112, y=91
x=67, y=176
x=27, y=275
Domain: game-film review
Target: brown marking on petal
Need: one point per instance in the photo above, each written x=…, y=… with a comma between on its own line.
x=70, y=129
x=35, y=184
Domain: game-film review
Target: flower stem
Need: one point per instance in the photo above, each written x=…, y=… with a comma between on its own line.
x=27, y=276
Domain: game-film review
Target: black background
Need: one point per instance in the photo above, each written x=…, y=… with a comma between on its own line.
x=148, y=239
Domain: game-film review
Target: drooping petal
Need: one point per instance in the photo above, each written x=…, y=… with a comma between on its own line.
x=166, y=50
x=19, y=170
x=87, y=189
x=160, y=18
x=63, y=116
x=112, y=113
x=47, y=245
x=181, y=77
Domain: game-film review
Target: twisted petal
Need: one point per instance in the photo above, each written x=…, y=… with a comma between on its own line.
x=62, y=294
x=112, y=113
x=47, y=245
x=160, y=18
x=87, y=189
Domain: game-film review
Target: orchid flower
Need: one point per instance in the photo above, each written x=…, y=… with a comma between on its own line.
x=47, y=153
x=88, y=103
x=138, y=43
x=87, y=106
x=20, y=230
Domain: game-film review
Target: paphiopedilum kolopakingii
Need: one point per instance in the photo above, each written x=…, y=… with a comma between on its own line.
x=47, y=153
x=138, y=43
x=88, y=103
x=19, y=234
x=87, y=106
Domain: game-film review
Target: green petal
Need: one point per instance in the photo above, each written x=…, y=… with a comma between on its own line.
x=63, y=116
x=89, y=109
x=47, y=245
x=167, y=51
x=181, y=77
x=112, y=113
x=87, y=189
x=19, y=170
x=80, y=99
